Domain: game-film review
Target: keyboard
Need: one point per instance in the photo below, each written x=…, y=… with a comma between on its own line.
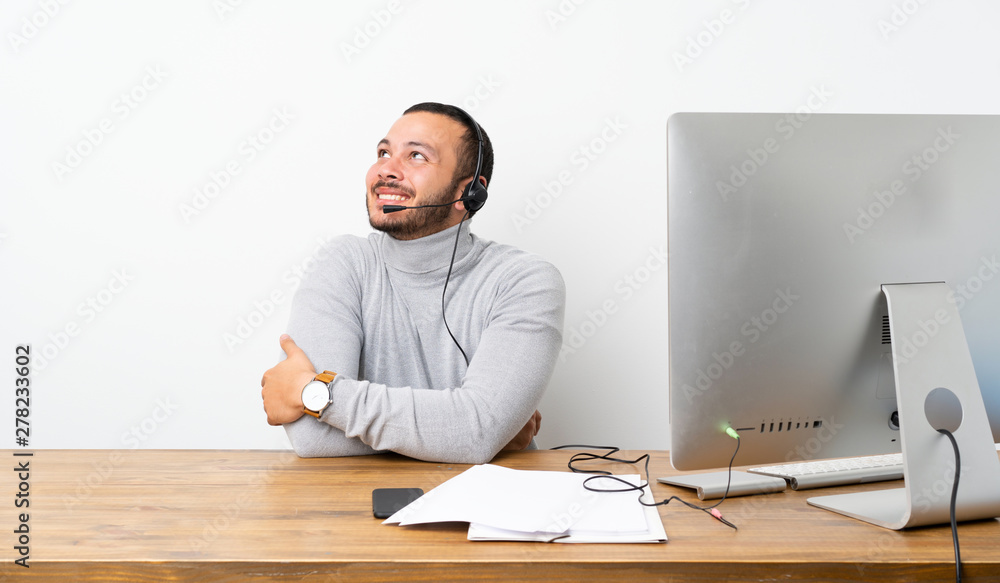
x=837, y=472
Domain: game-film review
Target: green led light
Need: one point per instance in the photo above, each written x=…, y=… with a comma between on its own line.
x=732, y=433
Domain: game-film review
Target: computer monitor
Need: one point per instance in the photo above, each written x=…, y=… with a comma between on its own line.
x=783, y=231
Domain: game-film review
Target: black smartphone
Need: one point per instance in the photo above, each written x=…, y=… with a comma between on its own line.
x=387, y=501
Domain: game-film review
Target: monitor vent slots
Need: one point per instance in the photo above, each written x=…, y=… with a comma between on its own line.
x=781, y=425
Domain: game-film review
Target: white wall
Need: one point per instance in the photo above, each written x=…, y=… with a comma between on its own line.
x=547, y=79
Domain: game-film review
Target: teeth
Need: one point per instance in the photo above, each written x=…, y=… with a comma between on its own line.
x=391, y=197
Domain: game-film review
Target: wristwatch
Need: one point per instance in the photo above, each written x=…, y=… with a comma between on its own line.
x=316, y=394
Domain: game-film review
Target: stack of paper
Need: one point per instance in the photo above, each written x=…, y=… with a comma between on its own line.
x=504, y=504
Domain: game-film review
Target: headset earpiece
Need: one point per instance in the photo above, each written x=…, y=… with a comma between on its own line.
x=475, y=196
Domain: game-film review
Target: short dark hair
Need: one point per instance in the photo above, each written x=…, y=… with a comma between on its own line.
x=469, y=152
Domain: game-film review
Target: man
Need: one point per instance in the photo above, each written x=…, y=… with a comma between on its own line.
x=372, y=314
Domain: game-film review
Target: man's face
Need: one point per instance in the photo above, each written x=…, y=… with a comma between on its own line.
x=415, y=165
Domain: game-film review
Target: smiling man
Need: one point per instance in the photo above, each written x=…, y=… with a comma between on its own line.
x=432, y=342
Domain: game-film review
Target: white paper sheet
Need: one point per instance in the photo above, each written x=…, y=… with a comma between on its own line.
x=584, y=531
x=505, y=504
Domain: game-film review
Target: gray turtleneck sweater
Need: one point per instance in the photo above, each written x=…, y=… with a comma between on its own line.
x=371, y=312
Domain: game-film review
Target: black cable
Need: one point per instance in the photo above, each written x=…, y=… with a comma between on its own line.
x=468, y=211
x=588, y=456
x=954, y=500
x=445, y=290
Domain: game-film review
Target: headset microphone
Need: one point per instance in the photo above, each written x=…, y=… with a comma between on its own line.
x=391, y=208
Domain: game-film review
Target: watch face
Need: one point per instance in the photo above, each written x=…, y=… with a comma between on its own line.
x=315, y=396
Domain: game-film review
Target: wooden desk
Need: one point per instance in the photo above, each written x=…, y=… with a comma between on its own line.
x=240, y=515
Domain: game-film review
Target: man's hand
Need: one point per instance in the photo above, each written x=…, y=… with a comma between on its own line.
x=524, y=437
x=283, y=384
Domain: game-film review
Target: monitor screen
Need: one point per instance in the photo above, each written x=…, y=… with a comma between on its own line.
x=782, y=230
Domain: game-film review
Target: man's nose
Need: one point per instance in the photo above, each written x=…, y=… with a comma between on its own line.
x=390, y=169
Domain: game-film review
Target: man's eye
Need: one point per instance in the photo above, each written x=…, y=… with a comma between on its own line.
x=383, y=153
x=418, y=156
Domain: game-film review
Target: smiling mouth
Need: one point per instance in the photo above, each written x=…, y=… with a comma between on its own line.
x=390, y=192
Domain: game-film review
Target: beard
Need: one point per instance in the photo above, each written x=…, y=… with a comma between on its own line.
x=414, y=223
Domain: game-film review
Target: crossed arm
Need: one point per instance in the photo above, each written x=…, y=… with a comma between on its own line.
x=282, y=393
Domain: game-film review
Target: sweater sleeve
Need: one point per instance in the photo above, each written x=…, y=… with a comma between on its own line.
x=503, y=385
x=328, y=329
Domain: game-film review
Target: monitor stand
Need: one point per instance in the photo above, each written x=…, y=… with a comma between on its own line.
x=936, y=387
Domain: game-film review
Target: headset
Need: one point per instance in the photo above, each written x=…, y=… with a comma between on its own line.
x=475, y=193
x=474, y=196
